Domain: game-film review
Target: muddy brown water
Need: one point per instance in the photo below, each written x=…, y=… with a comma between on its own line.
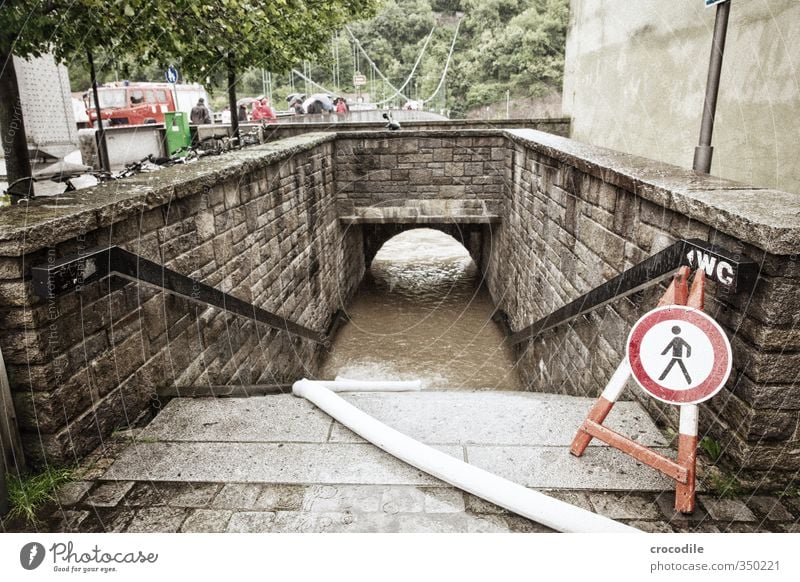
x=421, y=313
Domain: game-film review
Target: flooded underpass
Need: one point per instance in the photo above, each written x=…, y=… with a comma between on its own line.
x=422, y=313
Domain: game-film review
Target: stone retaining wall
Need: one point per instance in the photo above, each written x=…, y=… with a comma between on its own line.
x=260, y=224
x=289, y=226
x=579, y=215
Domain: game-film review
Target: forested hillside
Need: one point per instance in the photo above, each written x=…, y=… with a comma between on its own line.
x=504, y=49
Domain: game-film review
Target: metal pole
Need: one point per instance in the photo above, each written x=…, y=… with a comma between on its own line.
x=703, y=153
x=102, y=149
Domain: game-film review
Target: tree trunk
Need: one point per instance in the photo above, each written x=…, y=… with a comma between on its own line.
x=232, y=97
x=12, y=128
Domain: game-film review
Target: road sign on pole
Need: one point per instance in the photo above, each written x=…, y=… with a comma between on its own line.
x=359, y=80
x=710, y=3
x=679, y=355
x=171, y=75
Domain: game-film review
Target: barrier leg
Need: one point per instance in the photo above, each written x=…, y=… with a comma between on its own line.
x=687, y=437
x=602, y=406
x=687, y=457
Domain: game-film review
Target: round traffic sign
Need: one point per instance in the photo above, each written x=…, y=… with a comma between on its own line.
x=679, y=355
x=171, y=74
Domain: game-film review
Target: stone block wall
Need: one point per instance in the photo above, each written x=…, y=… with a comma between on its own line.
x=260, y=224
x=579, y=215
x=427, y=170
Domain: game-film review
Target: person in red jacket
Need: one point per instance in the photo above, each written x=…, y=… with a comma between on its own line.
x=262, y=110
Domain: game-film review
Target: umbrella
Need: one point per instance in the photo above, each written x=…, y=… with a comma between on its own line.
x=324, y=100
x=246, y=101
x=295, y=97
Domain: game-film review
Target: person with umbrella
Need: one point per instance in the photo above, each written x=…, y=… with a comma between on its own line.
x=262, y=110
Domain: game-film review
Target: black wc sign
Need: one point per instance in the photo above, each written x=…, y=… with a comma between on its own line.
x=736, y=273
x=716, y=268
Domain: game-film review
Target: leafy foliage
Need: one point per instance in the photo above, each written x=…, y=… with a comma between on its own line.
x=27, y=494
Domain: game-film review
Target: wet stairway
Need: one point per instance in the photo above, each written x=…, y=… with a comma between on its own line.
x=276, y=463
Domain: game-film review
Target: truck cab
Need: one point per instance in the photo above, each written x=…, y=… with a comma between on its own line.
x=140, y=103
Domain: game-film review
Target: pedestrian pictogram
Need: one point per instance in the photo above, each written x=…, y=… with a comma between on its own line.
x=677, y=346
x=679, y=355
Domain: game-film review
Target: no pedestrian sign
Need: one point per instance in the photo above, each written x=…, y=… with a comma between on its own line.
x=679, y=355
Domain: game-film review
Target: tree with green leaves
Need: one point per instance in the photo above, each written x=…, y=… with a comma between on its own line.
x=65, y=28
x=238, y=34
x=199, y=36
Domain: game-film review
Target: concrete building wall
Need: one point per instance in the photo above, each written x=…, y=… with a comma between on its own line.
x=635, y=80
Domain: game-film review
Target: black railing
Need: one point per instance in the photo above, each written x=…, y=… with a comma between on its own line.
x=70, y=273
x=733, y=273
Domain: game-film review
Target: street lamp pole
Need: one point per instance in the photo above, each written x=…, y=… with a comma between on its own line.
x=703, y=153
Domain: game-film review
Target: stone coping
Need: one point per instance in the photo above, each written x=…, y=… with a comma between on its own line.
x=25, y=228
x=767, y=219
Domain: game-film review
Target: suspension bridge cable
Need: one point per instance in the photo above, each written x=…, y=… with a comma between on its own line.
x=312, y=82
x=413, y=70
x=382, y=76
x=446, y=65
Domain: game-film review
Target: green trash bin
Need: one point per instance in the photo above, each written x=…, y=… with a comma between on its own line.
x=179, y=136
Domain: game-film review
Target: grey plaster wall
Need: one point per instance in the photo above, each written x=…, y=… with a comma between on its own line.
x=636, y=74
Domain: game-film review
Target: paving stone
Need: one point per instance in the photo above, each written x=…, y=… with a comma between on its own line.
x=440, y=500
x=146, y=495
x=622, y=506
x=207, y=521
x=71, y=493
x=402, y=499
x=251, y=522
x=68, y=520
x=280, y=497
x=278, y=418
x=791, y=527
x=237, y=496
x=292, y=463
x=770, y=507
x=190, y=494
x=600, y=468
x=334, y=522
x=666, y=503
x=108, y=494
x=740, y=527
x=475, y=504
x=518, y=418
x=577, y=498
x=726, y=510
x=157, y=520
x=518, y=524
x=651, y=526
x=117, y=521
x=335, y=498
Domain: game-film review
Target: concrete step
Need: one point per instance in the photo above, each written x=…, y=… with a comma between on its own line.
x=282, y=439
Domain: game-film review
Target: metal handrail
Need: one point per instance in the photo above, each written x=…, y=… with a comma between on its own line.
x=733, y=272
x=71, y=272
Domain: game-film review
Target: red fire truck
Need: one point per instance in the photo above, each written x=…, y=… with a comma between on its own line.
x=127, y=103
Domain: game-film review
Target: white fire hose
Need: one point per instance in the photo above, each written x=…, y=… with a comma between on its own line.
x=536, y=506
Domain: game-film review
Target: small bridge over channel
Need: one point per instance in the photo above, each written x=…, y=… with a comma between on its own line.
x=227, y=276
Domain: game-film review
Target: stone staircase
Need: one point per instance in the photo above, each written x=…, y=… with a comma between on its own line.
x=277, y=463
